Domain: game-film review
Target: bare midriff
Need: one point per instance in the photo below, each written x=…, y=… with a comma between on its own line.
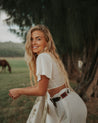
x=54, y=91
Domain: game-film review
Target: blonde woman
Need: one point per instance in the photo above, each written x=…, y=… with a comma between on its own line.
x=62, y=104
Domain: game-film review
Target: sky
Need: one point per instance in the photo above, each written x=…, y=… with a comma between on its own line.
x=5, y=34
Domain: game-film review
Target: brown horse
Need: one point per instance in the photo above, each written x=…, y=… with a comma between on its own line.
x=4, y=63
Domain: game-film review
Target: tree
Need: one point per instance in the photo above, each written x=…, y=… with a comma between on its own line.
x=75, y=31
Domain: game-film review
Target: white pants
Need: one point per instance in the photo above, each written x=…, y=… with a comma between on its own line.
x=70, y=109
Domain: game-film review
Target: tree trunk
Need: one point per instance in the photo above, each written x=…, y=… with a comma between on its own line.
x=71, y=65
x=89, y=85
x=93, y=87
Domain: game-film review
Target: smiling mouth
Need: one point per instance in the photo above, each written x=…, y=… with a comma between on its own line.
x=34, y=47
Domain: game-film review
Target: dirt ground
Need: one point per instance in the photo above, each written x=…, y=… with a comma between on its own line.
x=92, y=107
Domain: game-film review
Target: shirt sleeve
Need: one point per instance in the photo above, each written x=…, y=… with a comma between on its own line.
x=43, y=66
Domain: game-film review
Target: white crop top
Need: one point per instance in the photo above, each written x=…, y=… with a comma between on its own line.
x=46, y=65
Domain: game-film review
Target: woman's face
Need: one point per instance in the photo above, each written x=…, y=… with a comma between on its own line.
x=38, y=41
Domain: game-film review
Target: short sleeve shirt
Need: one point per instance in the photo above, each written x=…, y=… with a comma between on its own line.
x=46, y=65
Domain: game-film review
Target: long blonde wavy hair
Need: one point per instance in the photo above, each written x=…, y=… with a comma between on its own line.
x=50, y=48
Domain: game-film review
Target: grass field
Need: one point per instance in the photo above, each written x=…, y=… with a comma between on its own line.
x=17, y=111
x=10, y=49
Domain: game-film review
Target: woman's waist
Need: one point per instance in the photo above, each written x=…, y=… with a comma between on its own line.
x=59, y=95
x=55, y=91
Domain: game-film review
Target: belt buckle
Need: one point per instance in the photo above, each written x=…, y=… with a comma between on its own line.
x=63, y=95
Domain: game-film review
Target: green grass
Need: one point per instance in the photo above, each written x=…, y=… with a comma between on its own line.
x=15, y=111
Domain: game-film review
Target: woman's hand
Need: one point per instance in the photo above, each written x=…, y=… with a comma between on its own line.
x=14, y=93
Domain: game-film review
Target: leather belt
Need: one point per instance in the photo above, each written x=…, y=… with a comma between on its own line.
x=56, y=99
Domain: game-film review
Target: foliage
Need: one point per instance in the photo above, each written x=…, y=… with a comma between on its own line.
x=72, y=28
x=9, y=49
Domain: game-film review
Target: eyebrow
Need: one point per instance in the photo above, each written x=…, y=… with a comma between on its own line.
x=38, y=37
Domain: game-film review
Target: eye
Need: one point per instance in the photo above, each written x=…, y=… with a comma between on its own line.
x=38, y=39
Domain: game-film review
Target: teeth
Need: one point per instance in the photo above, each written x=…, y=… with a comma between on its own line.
x=34, y=47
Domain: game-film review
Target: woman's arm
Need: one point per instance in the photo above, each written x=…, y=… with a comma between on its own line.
x=39, y=90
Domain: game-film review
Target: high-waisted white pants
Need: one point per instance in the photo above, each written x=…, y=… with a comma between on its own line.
x=70, y=109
